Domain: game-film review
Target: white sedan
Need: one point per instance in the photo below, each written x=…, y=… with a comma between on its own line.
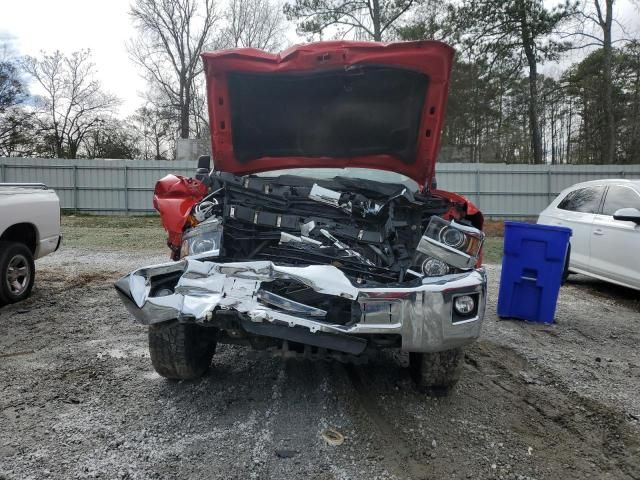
x=605, y=218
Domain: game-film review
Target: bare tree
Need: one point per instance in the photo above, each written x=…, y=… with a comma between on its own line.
x=602, y=17
x=254, y=23
x=374, y=18
x=604, y=11
x=73, y=103
x=599, y=15
x=155, y=132
x=172, y=34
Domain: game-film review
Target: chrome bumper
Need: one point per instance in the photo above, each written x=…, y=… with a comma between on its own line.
x=422, y=315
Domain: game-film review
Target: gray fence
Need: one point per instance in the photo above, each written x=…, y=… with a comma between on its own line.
x=126, y=186
x=96, y=186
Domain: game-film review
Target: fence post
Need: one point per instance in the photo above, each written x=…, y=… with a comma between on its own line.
x=75, y=188
x=478, y=186
x=126, y=190
x=549, y=184
x=3, y=171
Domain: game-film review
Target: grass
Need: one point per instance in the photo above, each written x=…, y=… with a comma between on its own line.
x=110, y=233
x=492, y=250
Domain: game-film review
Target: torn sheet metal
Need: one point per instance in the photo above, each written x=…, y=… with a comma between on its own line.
x=325, y=195
x=205, y=286
x=420, y=314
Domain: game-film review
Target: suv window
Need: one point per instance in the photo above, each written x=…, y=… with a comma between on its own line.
x=620, y=197
x=585, y=200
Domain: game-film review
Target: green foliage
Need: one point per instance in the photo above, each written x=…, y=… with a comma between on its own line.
x=585, y=88
x=12, y=89
x=113, y=140
x=513, y=29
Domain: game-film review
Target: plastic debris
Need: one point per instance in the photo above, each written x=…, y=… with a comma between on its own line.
x=333, y=437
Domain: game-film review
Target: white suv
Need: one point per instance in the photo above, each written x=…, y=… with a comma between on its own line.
x=605, y=218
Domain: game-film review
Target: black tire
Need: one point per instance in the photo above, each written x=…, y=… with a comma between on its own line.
x=565, y=272
x=17, y=272
x=437, y=373
x=181, y=351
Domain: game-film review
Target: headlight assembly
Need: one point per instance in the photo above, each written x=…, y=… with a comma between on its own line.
x=432, y=267
x=205, y=238
x=455, y=244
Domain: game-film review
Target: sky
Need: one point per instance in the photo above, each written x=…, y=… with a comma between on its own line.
x=104, y=26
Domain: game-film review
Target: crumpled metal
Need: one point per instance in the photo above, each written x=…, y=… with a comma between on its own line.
x=204, y=286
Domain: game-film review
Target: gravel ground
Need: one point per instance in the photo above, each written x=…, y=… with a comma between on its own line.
x=81, y=400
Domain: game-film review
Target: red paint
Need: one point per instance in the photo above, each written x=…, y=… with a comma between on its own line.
x=461, y=207
x=431, y=58
x=174, y=197
x=469, y=208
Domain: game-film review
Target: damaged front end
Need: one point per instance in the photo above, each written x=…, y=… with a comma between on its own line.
x=338, y=264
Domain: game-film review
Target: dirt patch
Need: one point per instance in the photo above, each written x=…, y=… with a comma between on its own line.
x=81, y=400
x=493, y=228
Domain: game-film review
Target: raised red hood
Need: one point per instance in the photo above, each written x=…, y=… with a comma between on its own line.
x=329, y=104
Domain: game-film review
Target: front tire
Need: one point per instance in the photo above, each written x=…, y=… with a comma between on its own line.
x=437, y=373
x=17, y=272
x=181, y=351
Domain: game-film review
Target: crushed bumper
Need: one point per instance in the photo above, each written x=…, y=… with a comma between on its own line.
x=422, y=315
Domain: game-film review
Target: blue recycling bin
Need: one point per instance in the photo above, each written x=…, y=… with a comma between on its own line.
x=532, y=267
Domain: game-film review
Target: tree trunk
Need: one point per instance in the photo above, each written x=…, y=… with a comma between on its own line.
x=377, y=27
x=73, y=149
x=184, y=120
x=608, y=154
x=534, y=121
x=157, y=148
x=185, y=107
x=59, y=149
x=59, y=142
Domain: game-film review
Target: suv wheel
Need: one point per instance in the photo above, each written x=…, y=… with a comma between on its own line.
x=436, y=373
x=181, y=351
x=17, y=272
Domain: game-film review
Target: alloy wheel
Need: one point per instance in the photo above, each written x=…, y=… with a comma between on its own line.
x=18, y=274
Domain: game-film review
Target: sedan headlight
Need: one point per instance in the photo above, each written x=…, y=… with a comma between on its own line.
x=455, y=244
x=203, y=239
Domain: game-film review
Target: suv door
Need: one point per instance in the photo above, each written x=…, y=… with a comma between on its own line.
x=577, y=211
x=615, y=243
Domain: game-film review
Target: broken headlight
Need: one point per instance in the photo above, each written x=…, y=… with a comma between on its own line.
x=203, y=239
x=432, y=267
x=449, y=243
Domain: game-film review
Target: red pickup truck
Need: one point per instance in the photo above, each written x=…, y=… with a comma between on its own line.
x=318, y=231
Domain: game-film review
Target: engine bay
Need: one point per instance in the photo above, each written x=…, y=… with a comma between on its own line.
x=370, y=230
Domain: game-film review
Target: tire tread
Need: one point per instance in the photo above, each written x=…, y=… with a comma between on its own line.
x=181, y=351
x=437, y=373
